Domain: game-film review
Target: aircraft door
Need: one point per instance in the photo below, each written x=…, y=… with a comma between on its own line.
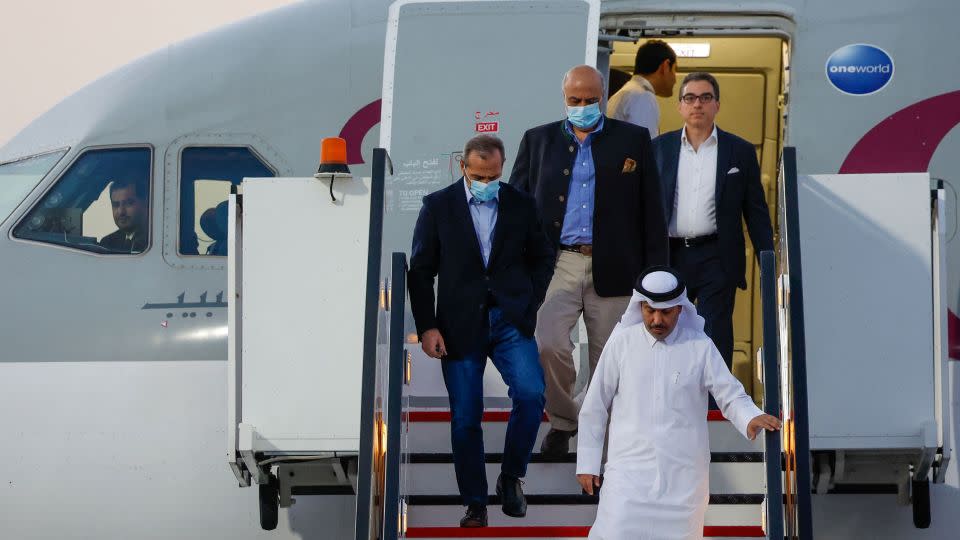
x=456, y=69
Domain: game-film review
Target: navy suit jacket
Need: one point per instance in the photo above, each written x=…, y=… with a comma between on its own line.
x=739, y=196
x=629, y=230
x=445, y=246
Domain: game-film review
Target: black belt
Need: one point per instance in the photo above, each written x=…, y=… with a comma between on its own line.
x=693, y=241
x=583, y=249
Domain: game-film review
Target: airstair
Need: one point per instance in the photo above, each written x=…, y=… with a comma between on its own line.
x=758, y=489
x=557, y=507
x=397, y=458
x=391, y=448
x=430, y=505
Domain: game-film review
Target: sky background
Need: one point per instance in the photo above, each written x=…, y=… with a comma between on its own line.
x=51, y=48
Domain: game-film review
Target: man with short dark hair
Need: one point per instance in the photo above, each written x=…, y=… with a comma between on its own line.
x=483, y=242
x=596, y=186
x=711, y=184
x=654, y=74
x=128, y=200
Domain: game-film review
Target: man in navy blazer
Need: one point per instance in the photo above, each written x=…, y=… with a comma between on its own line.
x=711, y=184
x=483, y=242
x=596, y=187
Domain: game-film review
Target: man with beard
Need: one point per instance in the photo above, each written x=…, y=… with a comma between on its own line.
x=130, y=213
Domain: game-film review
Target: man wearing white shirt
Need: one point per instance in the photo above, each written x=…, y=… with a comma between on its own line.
x=711, y=184
x=654, y=74
x=651, y=386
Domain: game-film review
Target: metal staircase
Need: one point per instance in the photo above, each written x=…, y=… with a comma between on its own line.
x=759, y=489
x=557, y=507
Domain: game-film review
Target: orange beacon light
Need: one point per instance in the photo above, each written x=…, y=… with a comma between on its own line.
x=333, y=162
x=333, y=156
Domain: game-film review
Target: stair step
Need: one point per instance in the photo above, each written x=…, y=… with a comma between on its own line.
x=502, y=415
x=561, y=533
x=571, y=457
x=560, y=478
x=562, y=515
x=571, y=499
x=429, y=432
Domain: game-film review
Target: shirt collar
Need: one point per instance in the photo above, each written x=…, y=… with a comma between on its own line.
x=642, y=81
x=470, y=196
x=711, y=139
x=651, y=340
x=599, y=128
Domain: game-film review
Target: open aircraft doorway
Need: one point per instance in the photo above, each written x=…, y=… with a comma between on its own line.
x=753, y=74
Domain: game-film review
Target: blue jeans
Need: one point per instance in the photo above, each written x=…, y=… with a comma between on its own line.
x=517, y=359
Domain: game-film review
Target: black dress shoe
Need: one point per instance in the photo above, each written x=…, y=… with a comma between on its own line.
x=556, y=445
x=511, y=496
x=476, y=516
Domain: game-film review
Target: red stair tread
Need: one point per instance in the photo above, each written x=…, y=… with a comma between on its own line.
x=742, y=531
x=503, y=416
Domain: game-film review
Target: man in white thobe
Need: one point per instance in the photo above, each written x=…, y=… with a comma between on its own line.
x=651, y=385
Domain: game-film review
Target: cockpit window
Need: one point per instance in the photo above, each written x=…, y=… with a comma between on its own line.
x=17, y=178
x=206, y=175
x=100, y=204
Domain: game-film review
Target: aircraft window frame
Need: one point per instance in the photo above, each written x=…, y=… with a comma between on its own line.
x=178, y=246
x=151, y=205
x=63, y=151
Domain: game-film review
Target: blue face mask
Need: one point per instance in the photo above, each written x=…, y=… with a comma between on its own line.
x=484, y=192
x=584, y=117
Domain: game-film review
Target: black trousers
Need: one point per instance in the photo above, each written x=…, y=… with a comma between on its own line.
x=710, y=289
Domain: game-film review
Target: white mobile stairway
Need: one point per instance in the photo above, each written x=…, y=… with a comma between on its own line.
x=389, y=443
x=557, y=508
x=408, y=488
x=430, y=506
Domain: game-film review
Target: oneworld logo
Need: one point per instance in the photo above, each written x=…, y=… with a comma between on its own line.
x=859, y=69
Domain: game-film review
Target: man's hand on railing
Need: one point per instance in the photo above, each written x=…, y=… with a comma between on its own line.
x=764, y=421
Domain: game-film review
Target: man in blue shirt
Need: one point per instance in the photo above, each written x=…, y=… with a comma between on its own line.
x=483, y=242
x=596, y=186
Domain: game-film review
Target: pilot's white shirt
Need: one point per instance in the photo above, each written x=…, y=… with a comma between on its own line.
x=657, y=471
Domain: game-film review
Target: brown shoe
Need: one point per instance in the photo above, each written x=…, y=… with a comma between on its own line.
x=476, y=516
x=556, y=445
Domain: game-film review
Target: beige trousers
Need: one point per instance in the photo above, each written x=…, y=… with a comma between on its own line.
x=571, y=293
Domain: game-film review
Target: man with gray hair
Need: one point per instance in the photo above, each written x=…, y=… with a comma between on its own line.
x=596, y=186
x=483, y=242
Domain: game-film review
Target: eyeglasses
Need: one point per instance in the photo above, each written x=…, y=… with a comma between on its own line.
x=689, y=99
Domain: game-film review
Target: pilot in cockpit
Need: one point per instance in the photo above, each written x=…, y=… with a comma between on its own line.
x=131, y=214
